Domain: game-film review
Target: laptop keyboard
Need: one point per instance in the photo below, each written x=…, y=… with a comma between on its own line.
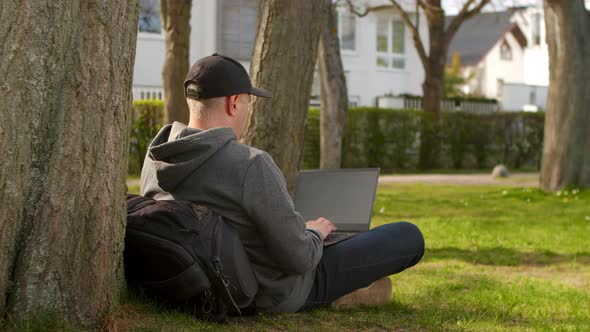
x=336, y=235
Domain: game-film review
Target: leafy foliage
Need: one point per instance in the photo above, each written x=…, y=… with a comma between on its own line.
x=147, y=118
x=455, y=79
x=391, y=139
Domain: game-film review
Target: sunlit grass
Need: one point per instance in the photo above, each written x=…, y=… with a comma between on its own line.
x=497, y=259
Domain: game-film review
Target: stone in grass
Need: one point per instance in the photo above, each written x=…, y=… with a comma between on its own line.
x=500, y=171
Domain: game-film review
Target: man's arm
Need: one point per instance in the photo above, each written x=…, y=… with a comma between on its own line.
x=268, y=204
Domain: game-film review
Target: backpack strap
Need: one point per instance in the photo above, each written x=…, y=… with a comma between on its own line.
x=136, y=202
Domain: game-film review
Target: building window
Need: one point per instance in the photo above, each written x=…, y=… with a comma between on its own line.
x=149, y=16
x=499, y=87
x=237, y=24
x=505, y=51
x=536, y=32
x=347, y=31
x=391, y=48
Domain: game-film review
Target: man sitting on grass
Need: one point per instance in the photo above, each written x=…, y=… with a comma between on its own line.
x=205, y=163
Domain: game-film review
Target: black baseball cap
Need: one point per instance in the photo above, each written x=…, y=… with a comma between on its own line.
x=218, y=76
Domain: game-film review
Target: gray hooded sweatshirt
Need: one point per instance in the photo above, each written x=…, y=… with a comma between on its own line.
x=244, y=185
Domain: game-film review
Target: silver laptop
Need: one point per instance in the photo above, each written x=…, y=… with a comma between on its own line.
x=343, y=196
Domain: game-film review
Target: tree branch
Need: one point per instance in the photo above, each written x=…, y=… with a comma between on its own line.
x=415, y=32
x=358, y=13
x=463, y=15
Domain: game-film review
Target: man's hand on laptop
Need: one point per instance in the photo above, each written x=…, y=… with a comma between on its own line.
x=322, y=225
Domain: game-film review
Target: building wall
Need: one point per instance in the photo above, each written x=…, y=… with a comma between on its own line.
x=497, y=69
x=149, y=60
x=519, y=96
x=150, y=52
x=536, y=55
x=366, y=81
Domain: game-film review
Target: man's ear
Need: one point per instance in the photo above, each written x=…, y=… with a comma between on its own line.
x=232, y=105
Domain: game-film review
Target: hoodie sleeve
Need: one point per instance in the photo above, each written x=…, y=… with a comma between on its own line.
x=268, y=204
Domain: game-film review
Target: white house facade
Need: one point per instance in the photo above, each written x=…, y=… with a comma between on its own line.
x=377, y=50
x=506, y=57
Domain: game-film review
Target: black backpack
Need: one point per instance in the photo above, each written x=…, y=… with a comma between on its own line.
x=185, y=256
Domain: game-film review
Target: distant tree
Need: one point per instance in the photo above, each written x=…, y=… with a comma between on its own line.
x=566, y=147
x=66, y=76
x=333, y=92
x=175, y=16
x=440, y=36
x=285, y=52
x=455, y=78
x=433, y=61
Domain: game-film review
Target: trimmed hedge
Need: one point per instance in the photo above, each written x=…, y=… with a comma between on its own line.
x=390, y=139
x=147, y=117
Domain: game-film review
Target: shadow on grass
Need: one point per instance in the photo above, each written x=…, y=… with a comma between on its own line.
x=505, y=256
x=448, y=301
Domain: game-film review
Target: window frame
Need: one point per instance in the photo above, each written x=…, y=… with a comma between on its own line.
x=504, y=44
x=339, y=20
x=151, y=35
x=390, y=55
x=536, y=29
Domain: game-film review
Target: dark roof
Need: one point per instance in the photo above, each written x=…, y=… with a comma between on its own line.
x=479, y=34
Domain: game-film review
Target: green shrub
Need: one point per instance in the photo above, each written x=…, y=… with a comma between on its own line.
x=311, y=152
x=147, y=118
x=410, y=140
x=396, y=139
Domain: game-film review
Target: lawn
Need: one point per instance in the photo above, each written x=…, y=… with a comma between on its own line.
x=497, y=259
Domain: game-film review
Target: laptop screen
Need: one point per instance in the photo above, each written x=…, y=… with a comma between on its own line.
x=343, y=196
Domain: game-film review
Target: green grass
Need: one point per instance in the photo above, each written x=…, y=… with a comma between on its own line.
x=497, y=259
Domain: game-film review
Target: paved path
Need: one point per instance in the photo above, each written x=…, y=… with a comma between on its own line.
x=516, y=179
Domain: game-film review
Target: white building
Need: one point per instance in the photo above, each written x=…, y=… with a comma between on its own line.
x=506, y=56
x=377, y=50
x=506, y=50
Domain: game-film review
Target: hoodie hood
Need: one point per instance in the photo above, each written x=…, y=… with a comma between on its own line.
x=177, y=151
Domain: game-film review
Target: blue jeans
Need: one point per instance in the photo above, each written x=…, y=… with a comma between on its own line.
x=357, y=262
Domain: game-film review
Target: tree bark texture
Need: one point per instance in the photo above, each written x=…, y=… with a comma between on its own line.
x=283, y=62
x=333, y=92
x=175, y=16
x=65, y=90
x=434, y=67
x=566, y=146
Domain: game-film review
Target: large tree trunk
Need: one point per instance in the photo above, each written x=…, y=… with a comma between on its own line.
x=283, y=61
x=566, y=147
x=66, y=75
x=175, y=16
x=333, y=92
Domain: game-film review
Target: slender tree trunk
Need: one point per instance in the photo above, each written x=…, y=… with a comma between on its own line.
x=434, y=69
x=566, y=147
x=432, y=89
x=432, y=86
x=284, y=56
x=65, y=88
x=334, y=94
x=175, y=16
